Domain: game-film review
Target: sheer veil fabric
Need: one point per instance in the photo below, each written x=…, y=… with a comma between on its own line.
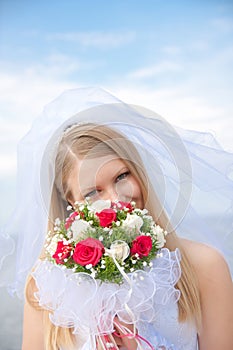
x=190, y=172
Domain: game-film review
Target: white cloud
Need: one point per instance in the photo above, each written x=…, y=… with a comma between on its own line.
x=199, y=46
x=171, y=49
x=223, y=24
x=22, y=98
x=56, y=65
x=95, y=39
x=160, y=68
x=182, y=109
x=23, y=94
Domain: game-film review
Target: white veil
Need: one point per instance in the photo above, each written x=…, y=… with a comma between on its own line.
x=190, y=172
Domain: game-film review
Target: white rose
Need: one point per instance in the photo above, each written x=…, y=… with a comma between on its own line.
x=159, y=233
x=100, y=205
x=120, y=250
x=133, y=221
x=79, y=226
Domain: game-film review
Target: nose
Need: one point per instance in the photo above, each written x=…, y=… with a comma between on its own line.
x=113, y=193
x=110, y=194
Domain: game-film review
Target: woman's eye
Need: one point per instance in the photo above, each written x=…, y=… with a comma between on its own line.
x=122, y=176
x=91, y=193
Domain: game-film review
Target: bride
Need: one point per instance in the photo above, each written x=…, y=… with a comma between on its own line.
x=89, y=145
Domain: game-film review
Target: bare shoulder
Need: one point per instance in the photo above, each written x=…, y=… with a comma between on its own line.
x=207, y=261
x=203, y=256
x=216, y=295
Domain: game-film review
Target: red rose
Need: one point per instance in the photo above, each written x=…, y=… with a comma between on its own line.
x=62, y=252
x=122, y=205
x=106, y=217
x=88, y=251
x=70, y=219
x=142, y=246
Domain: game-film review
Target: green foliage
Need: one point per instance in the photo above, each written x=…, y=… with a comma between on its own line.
x=110, y=273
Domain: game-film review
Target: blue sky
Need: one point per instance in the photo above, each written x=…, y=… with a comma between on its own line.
x=175, y=57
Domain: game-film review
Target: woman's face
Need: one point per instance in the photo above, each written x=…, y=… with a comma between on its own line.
x=103, y=178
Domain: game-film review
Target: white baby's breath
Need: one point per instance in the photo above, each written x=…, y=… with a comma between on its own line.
x=69, y=234
x=57, y=222
x=144, y=211
x=88, y=266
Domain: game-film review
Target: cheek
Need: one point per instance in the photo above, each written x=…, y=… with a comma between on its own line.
x=136, y=189
x=137, y=194
x=130, y=189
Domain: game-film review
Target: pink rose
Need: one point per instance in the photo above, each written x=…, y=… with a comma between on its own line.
x=142, y=246
x=88, y=251
x=62, y=252
x=106, y=217
x=71, y=219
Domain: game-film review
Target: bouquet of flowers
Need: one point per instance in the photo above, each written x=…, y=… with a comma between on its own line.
x=109, y=241
x=105, y=239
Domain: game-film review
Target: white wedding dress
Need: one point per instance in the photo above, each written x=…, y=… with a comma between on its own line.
x=167, y=333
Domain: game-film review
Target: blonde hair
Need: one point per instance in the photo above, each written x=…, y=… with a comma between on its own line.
x=93, y=141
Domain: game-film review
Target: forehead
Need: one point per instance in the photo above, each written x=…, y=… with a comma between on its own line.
x=91, y=172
